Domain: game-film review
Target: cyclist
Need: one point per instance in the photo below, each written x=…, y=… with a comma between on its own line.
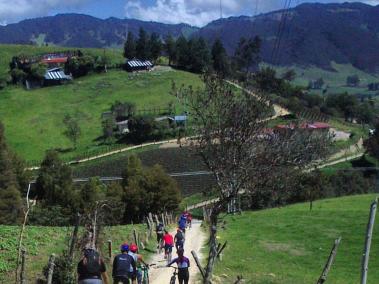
x=160, y=233
x=182, y=224
x=124, y=266
x=168, y=241
x=189, y=220
x=183, y=265
x=91, y=268
x=139, y=259
x=179, y=239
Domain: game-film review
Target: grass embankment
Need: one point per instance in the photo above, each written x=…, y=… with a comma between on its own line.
x=33, y=119
x=292, y=244
x=335, y=79
x=41, y=242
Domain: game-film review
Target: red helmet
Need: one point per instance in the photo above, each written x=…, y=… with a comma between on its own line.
x=133, y=248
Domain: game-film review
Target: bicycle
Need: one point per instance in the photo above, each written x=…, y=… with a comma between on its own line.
x=145, y=273
x=173, y=277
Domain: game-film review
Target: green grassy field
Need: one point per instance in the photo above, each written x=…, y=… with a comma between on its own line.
x=335, y=80
x=7, y=51
x=41, y=242
x=292, y=244
x=33, y=119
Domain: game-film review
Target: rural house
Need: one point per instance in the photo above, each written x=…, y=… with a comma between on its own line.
x=138, y=65
x=55, y=76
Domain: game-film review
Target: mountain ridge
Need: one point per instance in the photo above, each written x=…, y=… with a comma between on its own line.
x=315, y=34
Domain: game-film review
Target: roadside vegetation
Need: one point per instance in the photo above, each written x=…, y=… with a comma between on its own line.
x=291, y=244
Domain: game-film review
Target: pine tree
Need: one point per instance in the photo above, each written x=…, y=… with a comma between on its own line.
x=143, y=50
x=155, y=46
x=54, y=182
x=130, y=47
x=182, y=52
x=200, y=56
x=246, y=54
x=170, y=47
x=220, y=58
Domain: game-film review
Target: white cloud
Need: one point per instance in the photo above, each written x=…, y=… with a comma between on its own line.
x=12, y=10
x=194, y=12
x=201, y=12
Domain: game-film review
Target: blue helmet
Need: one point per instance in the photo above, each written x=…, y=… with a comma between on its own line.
x=124, y=247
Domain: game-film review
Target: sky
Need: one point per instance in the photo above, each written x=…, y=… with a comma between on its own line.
x=193, y=12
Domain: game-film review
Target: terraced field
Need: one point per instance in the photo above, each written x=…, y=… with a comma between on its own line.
x=173, y=160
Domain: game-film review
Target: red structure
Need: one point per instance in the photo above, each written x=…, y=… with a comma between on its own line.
x=310, y=126
x=54, y=60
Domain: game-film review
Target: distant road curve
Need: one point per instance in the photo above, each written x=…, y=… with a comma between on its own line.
x=183, y=174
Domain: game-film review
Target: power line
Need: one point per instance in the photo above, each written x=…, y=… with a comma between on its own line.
x=281, y=28
x=220, y=9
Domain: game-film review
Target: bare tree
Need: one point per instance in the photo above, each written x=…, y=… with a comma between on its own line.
x=238, y=148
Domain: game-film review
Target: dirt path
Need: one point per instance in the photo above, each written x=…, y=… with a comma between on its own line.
x=195, y=240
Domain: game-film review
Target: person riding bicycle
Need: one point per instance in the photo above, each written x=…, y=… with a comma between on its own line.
x=139, y=259
x=182, y=223
x=124, y=266
x=183, y=265
x=179, y=239
x=160, y=232
x=168, y=241
x=189, y=220
x=91, y=268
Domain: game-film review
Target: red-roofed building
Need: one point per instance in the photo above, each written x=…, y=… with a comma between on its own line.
x=54, y=60
x=311, y=126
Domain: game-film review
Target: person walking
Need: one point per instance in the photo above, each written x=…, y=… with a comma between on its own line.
x=91, y=268
x=179, y=239
x=183, y=264
x=133, y=250
x=124, y=266
x=168, y=241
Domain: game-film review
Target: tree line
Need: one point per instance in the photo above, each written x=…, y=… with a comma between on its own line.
x=194, y=54
x=297, y=99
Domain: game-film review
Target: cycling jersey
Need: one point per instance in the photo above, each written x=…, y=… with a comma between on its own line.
x=183, y=262
x=168, y=239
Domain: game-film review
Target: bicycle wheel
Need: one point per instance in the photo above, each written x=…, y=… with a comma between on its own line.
x=173, y=279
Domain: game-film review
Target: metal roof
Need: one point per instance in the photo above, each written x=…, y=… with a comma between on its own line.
x=139, y=63
x=56, y=74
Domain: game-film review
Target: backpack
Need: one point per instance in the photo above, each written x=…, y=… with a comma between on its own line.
x=160, y=228
x=122, y=264
x=179, y=236
x=93, y=262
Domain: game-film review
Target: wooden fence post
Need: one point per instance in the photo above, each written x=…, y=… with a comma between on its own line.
x=74, y=238
x=163, y=220
x=330, y=261
x=198, y=263
x=156, y=218
x=110, y=249
x=50, y=269
x=135, y=237
x=22, y=272
x=366, y=252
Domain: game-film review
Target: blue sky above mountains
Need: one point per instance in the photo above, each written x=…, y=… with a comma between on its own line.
x=194, y=12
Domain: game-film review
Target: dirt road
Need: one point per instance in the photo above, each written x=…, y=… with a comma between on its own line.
x=195, y=240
